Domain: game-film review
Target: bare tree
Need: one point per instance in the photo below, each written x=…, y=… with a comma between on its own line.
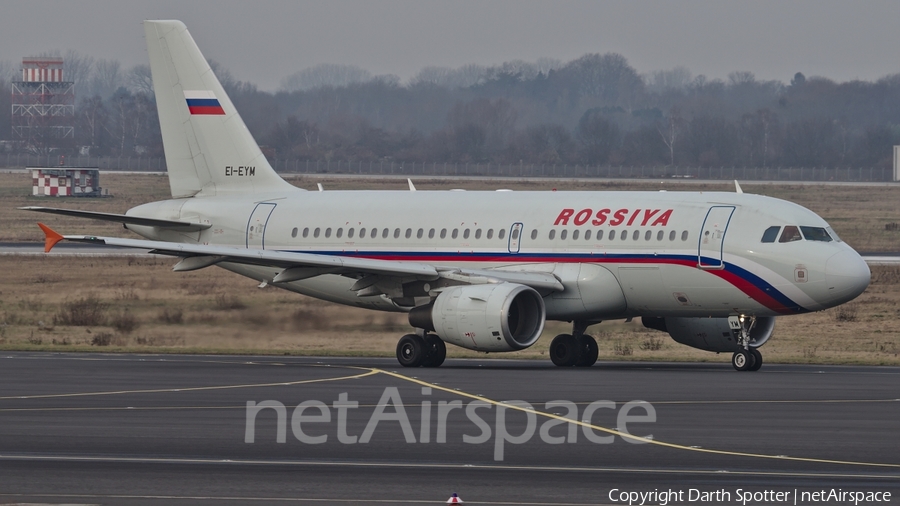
x=139, y=79
x=670, y=131
x=325, y=74
x=106, y=78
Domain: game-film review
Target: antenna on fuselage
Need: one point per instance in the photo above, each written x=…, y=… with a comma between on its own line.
x=737, y=187
x=412, y=187
x=321, y=188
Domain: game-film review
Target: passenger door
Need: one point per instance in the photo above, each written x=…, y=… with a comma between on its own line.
x=515, y=237
x=711, y=245
x=256, y=225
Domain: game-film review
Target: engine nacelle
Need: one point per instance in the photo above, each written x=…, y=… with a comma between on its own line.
x=710, y=334
x=492, y=317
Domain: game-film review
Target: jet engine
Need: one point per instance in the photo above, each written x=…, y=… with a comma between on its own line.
x=710, y=334
x=490, y=317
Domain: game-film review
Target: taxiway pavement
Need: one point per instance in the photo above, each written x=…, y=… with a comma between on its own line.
x=167, y=429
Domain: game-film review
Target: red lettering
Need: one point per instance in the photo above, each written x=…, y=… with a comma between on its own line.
x=647, y=215
x=663, y=219
x=601, y=217
x=633, y=216
x=619, y=217
x=582, y=216
x=563, y=218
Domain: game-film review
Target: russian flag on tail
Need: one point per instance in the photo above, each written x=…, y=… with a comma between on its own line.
x=201, y=102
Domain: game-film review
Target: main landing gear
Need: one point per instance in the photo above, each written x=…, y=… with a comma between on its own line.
x=577, y=348
x=747, y=358
x=416, y=351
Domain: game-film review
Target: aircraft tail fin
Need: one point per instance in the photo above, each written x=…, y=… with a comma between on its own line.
x=209, y=149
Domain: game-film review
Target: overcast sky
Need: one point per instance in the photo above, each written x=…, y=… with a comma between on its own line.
x=262, y=41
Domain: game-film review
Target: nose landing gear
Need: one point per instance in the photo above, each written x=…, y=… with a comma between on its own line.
x=747, y=358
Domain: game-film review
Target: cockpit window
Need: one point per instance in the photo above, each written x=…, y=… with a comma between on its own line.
x=815, y=234
x=770, y=234
x=833, y=234
x=790, y=234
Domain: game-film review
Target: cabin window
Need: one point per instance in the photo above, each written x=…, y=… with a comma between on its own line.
x=408, y=233
x=328, y=232
x=672, y=235
x=534, y=234
x=563, y=234
x=316, y=232
x=552, y=234
x=384, y=233
x=790, y=234
x=612, y=235
x=362, y=233
x=575, y=235
x=443, y=233
x=815, y=234
x=515, y=234
x=420, y=233
x=466, y=234
x=294, y=232
x=660, y=235
x=648, y=235
x=374, y=233
x=636, y=235
x=339, y=232
x=501, y=234
x=431, y=234
x=490, y=233
x=624, y=235
x=684, y=235
x=599, y=235
x=770, y=234
x=478, y=234
x=396, y=233
x=350, y=233
x=455, y=233
x=306, y=232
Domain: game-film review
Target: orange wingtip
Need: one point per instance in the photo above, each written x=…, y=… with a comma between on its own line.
x=51, y=237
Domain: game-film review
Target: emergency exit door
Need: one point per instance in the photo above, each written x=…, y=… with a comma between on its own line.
x=712, y=237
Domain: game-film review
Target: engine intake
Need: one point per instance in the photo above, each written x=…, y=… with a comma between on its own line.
x=492, y=317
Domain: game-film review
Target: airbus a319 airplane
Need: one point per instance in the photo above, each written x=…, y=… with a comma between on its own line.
x=482, y=270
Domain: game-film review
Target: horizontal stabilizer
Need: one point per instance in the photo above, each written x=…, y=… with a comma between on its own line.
x=184, y=226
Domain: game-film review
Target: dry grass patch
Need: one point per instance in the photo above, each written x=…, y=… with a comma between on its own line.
x=172, y=313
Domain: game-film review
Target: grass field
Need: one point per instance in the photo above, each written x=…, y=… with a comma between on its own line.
x=138, y=304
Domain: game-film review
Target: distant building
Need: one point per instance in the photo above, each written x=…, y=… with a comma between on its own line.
x=43, y=104
x=66, y=182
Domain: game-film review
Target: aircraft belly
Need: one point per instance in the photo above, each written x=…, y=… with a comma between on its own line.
x=329, y=287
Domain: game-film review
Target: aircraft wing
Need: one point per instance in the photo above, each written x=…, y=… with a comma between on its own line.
x=183, y=226
x=296, y=265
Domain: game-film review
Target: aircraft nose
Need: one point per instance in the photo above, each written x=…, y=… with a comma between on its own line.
x=847, y=276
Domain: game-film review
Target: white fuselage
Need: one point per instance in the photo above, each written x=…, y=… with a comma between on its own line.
x=618, y=254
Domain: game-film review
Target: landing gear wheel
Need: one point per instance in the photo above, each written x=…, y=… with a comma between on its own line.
x=589, y=352
x=564, y=350
x=757, y=357
x=742, y=360
x=411, y=351
x=437, y=351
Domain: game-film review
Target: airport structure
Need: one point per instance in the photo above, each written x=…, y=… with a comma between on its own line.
x=66, y=182
x=43, y=104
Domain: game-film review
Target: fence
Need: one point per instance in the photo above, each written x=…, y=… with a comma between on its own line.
x=386, y=167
